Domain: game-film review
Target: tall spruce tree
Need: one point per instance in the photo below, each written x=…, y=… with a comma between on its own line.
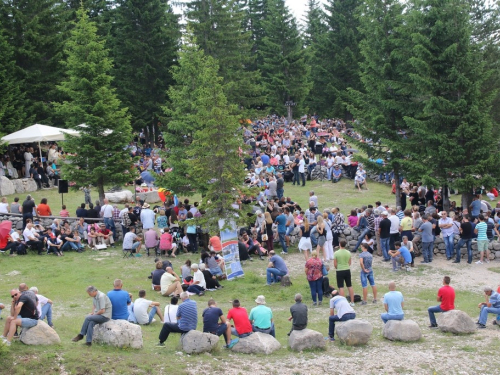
x=203, y=138
x=284, y=68
x=145, y=40
x=335, y=65
x=453, y=121
x=256, y=11
x=34, y=29
x=12, y=116
x=218, y=28
x=97, y=156
x=384, y=100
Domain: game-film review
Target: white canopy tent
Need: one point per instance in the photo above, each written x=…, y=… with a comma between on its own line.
x=38, y=133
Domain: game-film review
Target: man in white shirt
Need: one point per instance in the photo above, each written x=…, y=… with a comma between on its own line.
x=313, y=198
x=394, y=229
x=302, y=169
x=446, y=225
x=141, y=306
x=28, y=158
x=198, y=286
x=44, y=307
x=31, y=238
x=107, y=214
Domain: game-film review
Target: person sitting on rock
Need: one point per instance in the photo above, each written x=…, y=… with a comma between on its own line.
x=214, y=322
x=344, y=312
x=261, y=317
x=23, y=313
x=393, y=304
x=242, y=326
x=298, y=316
x=491, y=306
x=446, y=295
x=141, y=306
x=101, y=313
x=120, y=299
x=187, y=320
x=44, y=306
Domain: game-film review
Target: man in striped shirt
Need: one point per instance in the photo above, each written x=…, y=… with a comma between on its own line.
x=187, y=319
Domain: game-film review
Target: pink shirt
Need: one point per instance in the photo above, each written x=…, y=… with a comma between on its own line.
x=166, y=241
x=64, y=213
x=353, y=220
x=151, y=238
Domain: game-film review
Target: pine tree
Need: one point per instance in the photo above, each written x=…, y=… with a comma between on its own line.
x=383, y=102
x=336, y=61
x=98, y=156
x=256, y=13
x=453, y=121
x=217, y=26
x=12, y=116
x=34, y=29
x=203, y=137
x=145, y=43
x=284, y=68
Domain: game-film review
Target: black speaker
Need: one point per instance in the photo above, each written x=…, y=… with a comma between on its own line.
x=63, y=186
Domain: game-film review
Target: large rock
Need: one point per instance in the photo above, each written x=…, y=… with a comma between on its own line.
x=150, y=196
x=198, y=342
x=118, y=333
x=402, y=330
x=24, y=185
x=257, y=342
x=456, y=321
x=306, y=339
x=41, y=334
x=123, y=196
x=354, y=332
x=6, y=186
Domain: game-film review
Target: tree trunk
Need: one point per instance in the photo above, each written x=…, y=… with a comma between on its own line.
x=466, y=200
x=100, y=189
x=398, y=186
x=446, y=198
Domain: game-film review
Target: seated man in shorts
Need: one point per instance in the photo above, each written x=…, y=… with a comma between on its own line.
x=342, y=263
x=23, y=313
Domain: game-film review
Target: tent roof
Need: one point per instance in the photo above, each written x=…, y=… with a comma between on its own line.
x=38, y=133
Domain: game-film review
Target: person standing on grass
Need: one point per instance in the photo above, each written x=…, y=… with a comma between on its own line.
x=342, y=263
x=101, y=313
x=365, y=261
x=446, y=295
x=187, y=320
x=482, y=239
x=384, y=231
x=314, y=274
x=490, y=306
x=393, y=304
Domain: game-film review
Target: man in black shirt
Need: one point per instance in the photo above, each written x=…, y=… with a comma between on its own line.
x=465, y=238
x=214, y=322
x=22, y=305
x=28, y=206
x=299, y=314
x=384, y=229
x=81, y=212
x=279, y=186
x=92, y=212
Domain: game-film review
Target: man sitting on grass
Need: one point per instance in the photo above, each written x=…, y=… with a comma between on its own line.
x=141, y=306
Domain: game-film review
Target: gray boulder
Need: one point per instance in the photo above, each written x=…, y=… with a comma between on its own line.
x=119, y=333
x=402, y=330
x=354, y=332
x=257, y=342
x=198, y=342
x=41, y=334
x=6, y=186
x=456, y=321
x=306, y=339
x=123, y=196
x=150, y=196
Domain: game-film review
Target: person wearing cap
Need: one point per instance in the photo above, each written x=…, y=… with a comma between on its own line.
x=384, y=231
x=261, y=317
x=446, y=295
x=446, y=225
x=199, y=284
x=242, y=326
x=105, y=235
x=344, y=312
x=490, y=306
x=147, y=217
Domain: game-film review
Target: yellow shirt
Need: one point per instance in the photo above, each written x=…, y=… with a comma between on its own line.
x=406, y=223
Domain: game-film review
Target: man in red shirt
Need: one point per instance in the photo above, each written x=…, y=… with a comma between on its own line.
x=105, y=235
x=446, y=295
x=242, y=326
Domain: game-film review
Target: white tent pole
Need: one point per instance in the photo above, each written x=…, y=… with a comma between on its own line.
x=40, y=149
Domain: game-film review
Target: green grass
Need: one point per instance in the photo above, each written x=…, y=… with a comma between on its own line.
x=64, y=281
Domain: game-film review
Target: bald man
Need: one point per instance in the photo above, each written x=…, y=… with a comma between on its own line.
x=120, y=299
x=393, y=304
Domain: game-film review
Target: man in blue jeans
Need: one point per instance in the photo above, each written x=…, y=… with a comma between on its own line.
x=446, y=295
x=427, y=239
x=281, y=223
x=446, y=225
x=384, y=229
x=101, y=313
x=23, y=313
x=491, y=306
x=276, y=268
x=393, y=304
x=344, y=312
x=44, y=306
x=465, y=239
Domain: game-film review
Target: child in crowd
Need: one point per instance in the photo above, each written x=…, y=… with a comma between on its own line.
x=64, y=212
x=366, y=273
x=161, y=221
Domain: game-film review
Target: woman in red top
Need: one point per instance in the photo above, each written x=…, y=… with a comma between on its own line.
x=43, y=208
x=314, y=273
